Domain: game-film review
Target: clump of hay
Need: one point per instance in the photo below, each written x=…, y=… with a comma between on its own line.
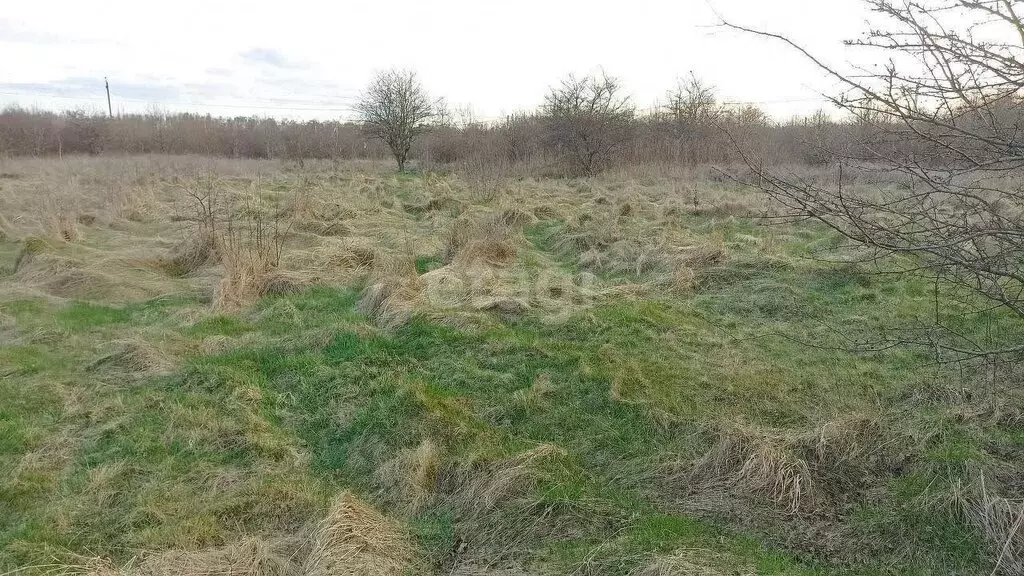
x=191, y=254
x=248, y=557
x=689, y=562
x=491, y=237
x=31, y=246
x=759, y=463
x=251, y=272
x=445, y=287
x=443, y=203
x=481, y=487
x=797, y=470
x=546, y=212
x=67, y=278
x=423, y=475
x=245, y=283
x=586, y=231
x=280, y=283
x=505, y=306
x=241, y=285
x=999, y=520
x=344, y=255
x=703, y=256
x=355, y=539
x=413, y=474
x=133, y=356
x=393, y=292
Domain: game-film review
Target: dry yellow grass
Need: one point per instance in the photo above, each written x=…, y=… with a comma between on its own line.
x=794, y=469
x=353, y=539
x=165, y=219
x=356, y=540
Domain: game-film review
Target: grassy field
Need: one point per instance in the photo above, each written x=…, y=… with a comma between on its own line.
x=239, y=367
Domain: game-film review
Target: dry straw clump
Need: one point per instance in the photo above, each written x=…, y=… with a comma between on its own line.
x=355, y=539
x=64, y=277
x=689, y=562
x=607, y=243
x=800, y=471
x=134, y=357
x=1000, y=520
x=413, y=475
x=250, y=243
x=423, y=475
x=492, y=237
x=484, y=486
x=192, y=254
x=394, y=290
x=481, y=273
x=249, y=557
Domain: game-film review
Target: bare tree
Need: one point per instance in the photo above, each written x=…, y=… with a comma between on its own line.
x=693, y=102
x=395, y=108
x=944, y=115
x=588, y=120
x=694, y=112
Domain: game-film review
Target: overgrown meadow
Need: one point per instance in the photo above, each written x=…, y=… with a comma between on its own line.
x=254, y=367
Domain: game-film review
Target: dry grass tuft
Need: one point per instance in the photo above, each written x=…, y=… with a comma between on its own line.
x=483, y=487
x=491, y=237
x=248, y=557
x=64, y=277
x=357, y=540
x=799, y=471
x=67, y=227
x=606, y=243
x=759, y=463
x=414, y=474
x=1000, y=520
x=353, y=539
x=242, y=285
x=135, y=357
x=394, y=291
x=281, y=283
x=690, y=562
x=30, y=247
x=192, y=254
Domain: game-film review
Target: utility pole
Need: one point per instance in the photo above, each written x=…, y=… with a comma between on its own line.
x=110, y=109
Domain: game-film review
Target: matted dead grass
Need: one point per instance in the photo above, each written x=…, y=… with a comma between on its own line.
x=136, y=357
x=354, y=539
x=690, y=562
x=799, y=471
x=347, y=225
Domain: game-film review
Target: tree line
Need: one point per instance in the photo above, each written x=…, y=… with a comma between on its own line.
x=584, y=125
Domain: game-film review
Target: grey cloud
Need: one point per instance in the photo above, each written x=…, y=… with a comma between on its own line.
x=269, y=57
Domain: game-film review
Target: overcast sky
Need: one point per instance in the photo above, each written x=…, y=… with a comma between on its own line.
x=305, y=59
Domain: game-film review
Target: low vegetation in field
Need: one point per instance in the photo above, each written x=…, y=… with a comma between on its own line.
x=241, y=367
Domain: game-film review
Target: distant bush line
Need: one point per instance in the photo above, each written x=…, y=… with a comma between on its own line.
x=521, y=141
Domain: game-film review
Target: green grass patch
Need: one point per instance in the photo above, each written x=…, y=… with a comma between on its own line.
x=82, y=316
